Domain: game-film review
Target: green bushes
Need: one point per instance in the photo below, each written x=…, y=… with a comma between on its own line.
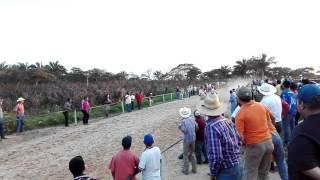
x=57, y=118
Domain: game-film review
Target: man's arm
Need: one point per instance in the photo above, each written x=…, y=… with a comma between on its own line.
x=313, y=173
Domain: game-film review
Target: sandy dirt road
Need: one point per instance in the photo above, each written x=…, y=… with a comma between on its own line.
x=45, y=153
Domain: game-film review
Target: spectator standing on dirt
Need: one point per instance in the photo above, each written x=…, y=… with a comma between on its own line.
x=188, y=127
x=150, y=160
x=304, y=148
x=133, y=98
x=77, y=167
x=127, y=101
x=19, y=109
x=221, y=139
x=107, y=103
x=253, y=126
x=124, y=165
x=200, y=146
x=289, y=119
x=1, y=120
x=85, y=108
x=232, y=101
x=67, y=107
x=139, y=99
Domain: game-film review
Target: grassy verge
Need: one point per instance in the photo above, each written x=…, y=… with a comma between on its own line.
x=57, y=118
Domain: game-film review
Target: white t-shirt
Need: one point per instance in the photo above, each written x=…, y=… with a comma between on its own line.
x=127, y=99
x=150, y=163
x=235, y=112
x=132, y=97
x=273, y=104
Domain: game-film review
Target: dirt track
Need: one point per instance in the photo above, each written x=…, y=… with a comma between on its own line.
x=45, y=153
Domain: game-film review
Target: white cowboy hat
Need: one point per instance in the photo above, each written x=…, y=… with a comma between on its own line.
x=267, y=89
x=20, y=99
x=185, y=112
x=211, y=105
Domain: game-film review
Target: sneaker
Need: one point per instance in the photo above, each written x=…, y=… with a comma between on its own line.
x=4, y=138
x=180, y=157
x=185, y=172
x=205, y=162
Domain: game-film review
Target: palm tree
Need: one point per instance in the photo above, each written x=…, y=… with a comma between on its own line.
x=225, y=72
x=56, y=68
x=241, y=68
x=4, y=66
x=261, y=64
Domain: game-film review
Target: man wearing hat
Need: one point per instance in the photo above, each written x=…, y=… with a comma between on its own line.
x=304, y=148
x=150, y=160
x=124, y=165
x=221, y=139
x=188, y=127
x=19, y=109
x=253, y=124
x=272, y=102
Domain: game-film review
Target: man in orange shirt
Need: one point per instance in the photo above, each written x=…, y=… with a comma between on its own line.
x=252, y=123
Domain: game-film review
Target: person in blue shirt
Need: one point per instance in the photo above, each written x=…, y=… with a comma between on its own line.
x=288, y=121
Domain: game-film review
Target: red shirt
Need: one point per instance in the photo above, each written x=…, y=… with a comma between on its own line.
x=200, y=133
x=123, y=164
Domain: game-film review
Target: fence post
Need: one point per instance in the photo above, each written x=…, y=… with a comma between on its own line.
x=171, y=96
x=122, y=106
x=75, y=117
x=163, y=98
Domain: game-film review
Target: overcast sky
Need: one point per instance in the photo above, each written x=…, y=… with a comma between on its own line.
x=134, y=35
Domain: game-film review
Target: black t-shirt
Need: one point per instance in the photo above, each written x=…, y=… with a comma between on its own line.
x=304, y=148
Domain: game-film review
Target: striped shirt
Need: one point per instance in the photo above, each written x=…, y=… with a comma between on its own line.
x=188, y=127
x=223, y=145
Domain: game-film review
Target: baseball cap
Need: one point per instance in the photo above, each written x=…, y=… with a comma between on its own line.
x=309, y=93
x=244, y=93
x=148, y=139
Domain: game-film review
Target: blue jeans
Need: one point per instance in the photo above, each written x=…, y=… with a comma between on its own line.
x=233, y=173
x=278, y=153
x=128, y=107
x=201, y=149
x=288, y=122
x=20, y=124
x=1, y=128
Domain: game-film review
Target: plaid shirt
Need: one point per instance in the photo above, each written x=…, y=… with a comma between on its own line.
x=223, y=145
x=188, y=127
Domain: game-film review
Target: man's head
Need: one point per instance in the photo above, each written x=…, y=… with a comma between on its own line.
x=286, y=84
x=309, y=100
x=76, y=166
x=244, y=95
x=126, y=142
x=197, y=113
x=148, y=140
x=278, y=81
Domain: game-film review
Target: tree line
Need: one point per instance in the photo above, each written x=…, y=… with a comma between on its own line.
x=48, y=85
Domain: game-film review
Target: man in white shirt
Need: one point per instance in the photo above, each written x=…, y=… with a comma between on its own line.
x=127, y=100
x=272, y=102
x=150, y=160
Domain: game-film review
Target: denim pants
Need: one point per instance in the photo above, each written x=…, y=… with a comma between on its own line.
x=201, y=150
x=233, y=173
x=278, y=153
x=1, y=128
x=20, y=123
x=288, y=122
x=128, y=107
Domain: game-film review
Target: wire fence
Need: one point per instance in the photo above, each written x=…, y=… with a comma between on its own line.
x=105, y=110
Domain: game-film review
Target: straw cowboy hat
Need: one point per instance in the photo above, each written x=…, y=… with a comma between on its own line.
x=185, y=112
x=211, y=105
x=267, y=89
x=20, y=99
